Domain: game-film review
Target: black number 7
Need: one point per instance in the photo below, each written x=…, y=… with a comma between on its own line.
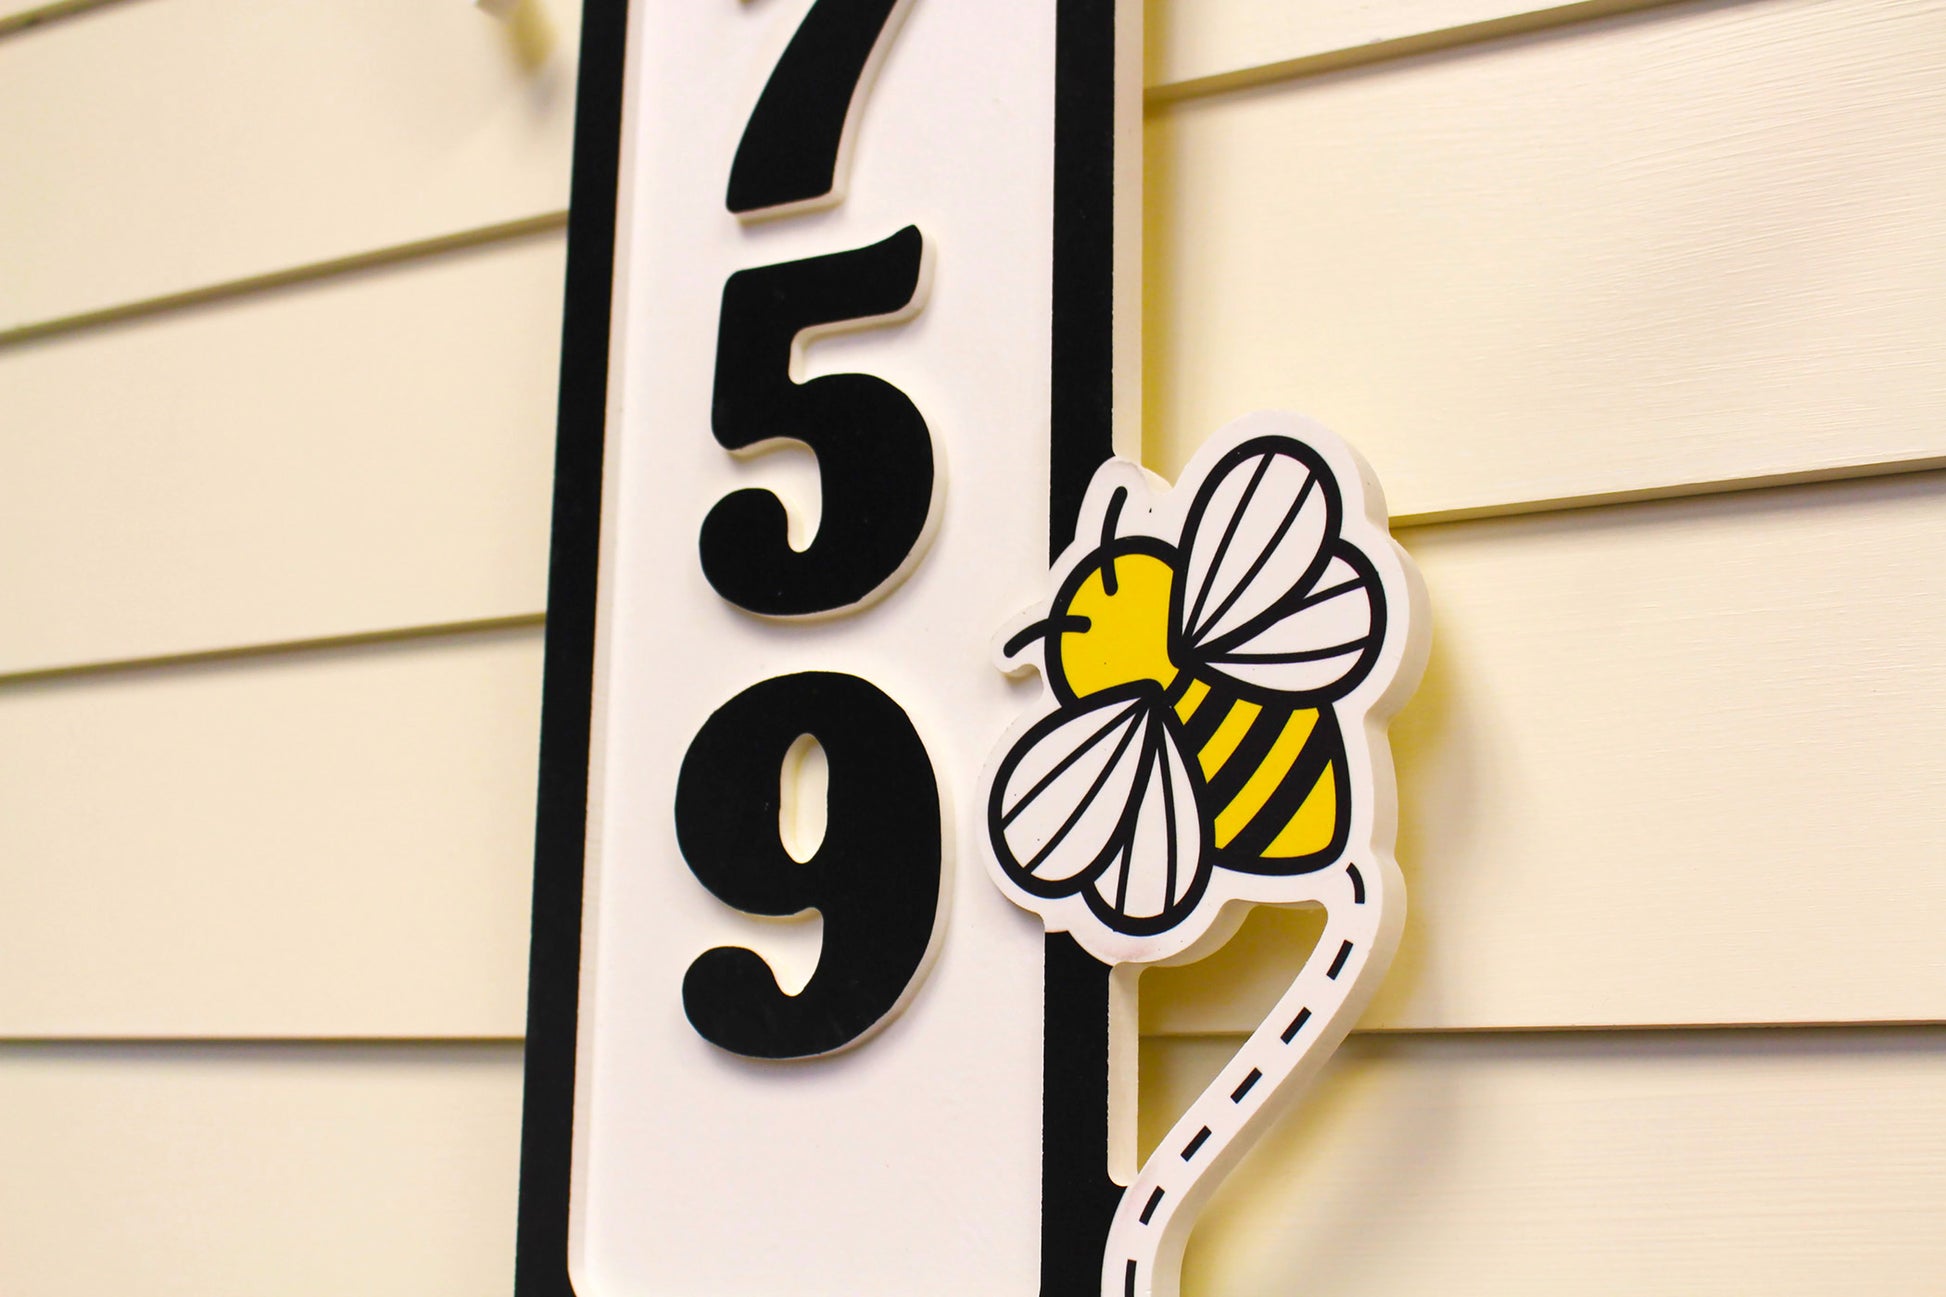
x=799, y=133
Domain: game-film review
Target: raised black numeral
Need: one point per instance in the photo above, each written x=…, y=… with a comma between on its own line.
x=796, y=135
x=875, y=878
x=875, y=459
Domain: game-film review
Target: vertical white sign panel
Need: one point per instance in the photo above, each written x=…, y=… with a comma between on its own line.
x=910, y=1162
x=905, y=1153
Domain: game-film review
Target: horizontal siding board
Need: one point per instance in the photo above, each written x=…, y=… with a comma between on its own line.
x=16, y=15
x=325, y=843
x=1774, y=1162
x=1195, y=40
x=1730, y=278
x=1674, y=763
x=186, y=143
x=361, y=453
x=222, y=1171
x=1782, y=1162
x=1691, y=246
x=21, y=11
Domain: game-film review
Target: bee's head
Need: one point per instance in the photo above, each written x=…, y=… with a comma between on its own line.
x=1109, y=625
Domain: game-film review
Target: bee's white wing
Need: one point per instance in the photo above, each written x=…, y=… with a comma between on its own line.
x=1320, y=640
x=1158, y=873
x=1101, y=797
x=1063, y=790
x=1261, y=527
x=1272, y=597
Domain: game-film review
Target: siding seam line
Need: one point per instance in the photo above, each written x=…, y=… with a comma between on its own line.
x=311, y=272
x=1553, y=19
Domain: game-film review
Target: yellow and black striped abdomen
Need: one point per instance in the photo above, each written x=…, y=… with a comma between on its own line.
x=1275, y=779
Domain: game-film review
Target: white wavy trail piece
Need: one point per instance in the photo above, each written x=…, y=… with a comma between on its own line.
x=1365, y=911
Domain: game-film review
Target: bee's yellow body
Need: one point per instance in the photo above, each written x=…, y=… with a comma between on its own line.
x=1272, y=771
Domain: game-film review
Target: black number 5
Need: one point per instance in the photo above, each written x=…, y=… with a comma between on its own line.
x=875, y=456
x=875, y=878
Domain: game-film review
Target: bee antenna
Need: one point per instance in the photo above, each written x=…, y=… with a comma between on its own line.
x=1108, y=521
x=1114, y=514
x=1046, y=628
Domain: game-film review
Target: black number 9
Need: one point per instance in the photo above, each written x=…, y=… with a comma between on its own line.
x=876, y=878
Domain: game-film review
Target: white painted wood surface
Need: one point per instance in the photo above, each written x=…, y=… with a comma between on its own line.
x=362, y=453
x=1691, y=246
x=1673, y=763
x=326, y=843
x=184, y=143
x=190, y=1170
x=1731, y=1162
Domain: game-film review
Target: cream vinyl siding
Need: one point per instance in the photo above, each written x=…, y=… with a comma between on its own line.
x=1614, y=295
x=1595, y=782
x=1611, y=1165
x=1689, y=248
x=1214, y=44
x=353, y=454
x=222, y=140
x=300, y=1169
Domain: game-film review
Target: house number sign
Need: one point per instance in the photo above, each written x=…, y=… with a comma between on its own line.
x=893, y=721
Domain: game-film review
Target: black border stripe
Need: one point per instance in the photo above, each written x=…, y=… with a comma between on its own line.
x=1078, y=1199
x=561, y=813
x=1083, y=395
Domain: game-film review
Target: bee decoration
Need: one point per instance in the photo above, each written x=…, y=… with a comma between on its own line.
x=1219, y=661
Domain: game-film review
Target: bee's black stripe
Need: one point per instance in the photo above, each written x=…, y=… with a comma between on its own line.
x=1323, y=745
x=1208, y=715
x=1230, y=778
